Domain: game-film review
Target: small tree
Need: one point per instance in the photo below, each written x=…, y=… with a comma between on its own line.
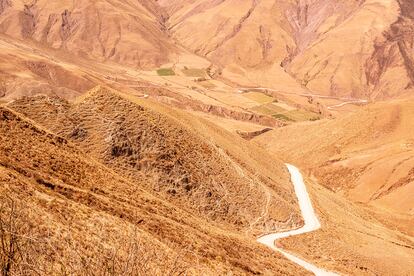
x=10, y=243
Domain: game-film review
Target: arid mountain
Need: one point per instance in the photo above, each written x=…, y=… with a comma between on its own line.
x=360, y=49
x=150, y=137
x=128, y=32
x=291, y=46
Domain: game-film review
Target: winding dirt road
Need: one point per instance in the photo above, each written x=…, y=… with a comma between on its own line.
x=311, y=223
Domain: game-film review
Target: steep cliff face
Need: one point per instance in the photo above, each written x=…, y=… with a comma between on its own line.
x=4, y=4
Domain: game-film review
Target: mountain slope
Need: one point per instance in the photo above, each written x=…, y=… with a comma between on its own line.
x=297, y=46
x=183, y=159
x=128, y=32
x=81, y=216
x=367, y=154
x=373, y=63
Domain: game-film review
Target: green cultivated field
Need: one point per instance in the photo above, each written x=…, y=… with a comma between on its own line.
x=165, y=72
x=278, y=112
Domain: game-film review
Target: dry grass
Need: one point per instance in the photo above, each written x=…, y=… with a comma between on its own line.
x=91, y=214
x=175, y=161
x=26, y=249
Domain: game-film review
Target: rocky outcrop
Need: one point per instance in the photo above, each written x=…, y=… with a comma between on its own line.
x=4, y=4
x=28, y=20
x=252, y=134
x=395, y=49
x=68, y=25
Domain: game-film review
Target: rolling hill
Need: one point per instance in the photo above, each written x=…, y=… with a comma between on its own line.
x=182, y=159
x=86, y=209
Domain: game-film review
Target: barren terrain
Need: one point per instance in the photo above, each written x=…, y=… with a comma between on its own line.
x=150, y=137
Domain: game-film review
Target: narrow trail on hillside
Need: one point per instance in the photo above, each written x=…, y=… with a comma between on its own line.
x=311, y=223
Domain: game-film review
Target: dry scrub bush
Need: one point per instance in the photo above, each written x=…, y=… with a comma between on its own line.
x=26, y=249
x=18, y=254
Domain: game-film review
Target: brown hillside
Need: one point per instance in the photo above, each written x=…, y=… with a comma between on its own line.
x=73, y=214
x=182, y=159
x=150, y=137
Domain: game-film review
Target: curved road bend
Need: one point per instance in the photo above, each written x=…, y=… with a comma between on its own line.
x=311, y=224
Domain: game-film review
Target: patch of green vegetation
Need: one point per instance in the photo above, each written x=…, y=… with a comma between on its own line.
x=282, y=117
x=281, y=113
x=194, y=72
x=165, y=72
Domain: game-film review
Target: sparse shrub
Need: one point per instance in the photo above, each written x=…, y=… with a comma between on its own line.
x=18, y=248
x=27, y=249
